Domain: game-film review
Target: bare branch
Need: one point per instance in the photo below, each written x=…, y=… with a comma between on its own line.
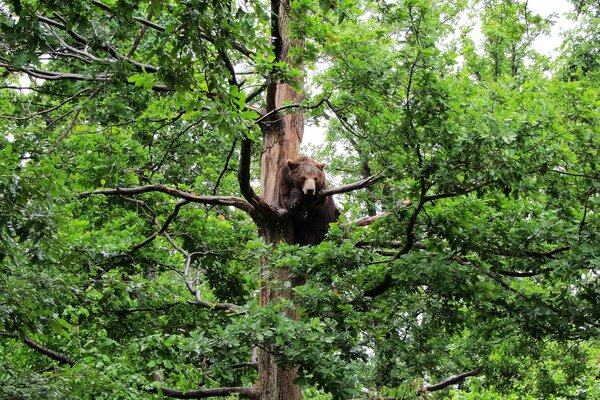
x=251, y=364
x=189, y=282
x=286, y=107
x=194, y=198
x=256, y=93
x=368, y=181
x=150, y=24
x=364, y=221
x=244, y=179
x=56, y=76
x=522, y=274
x=450, y=381
x=67, y=131
x=225, y=168
x=236, y=46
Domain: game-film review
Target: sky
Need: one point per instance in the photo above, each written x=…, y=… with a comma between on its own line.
x=546, y=45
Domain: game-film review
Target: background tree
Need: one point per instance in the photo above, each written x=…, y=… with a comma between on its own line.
x=137, y=134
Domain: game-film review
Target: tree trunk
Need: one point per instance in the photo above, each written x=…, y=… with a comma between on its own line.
x=282, y=136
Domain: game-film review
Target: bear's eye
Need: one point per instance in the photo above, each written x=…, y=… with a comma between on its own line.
x=303, y=178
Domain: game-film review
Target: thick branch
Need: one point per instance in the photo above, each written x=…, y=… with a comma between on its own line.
x=194, y=198
x=248, y=392
x=61, y=358
x=244, y=179
x=450, y=381
x=368, y=181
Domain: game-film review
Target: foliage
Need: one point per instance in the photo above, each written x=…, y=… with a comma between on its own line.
x=488, y=253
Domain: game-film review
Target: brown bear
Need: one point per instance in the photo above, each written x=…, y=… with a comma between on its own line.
x=302, y=179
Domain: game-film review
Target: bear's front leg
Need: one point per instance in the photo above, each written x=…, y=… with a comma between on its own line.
x=295, y=198
x=295, y=204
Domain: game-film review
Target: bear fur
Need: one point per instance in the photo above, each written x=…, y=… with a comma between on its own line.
x=302, y=179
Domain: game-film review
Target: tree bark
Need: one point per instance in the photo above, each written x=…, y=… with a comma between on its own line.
x=282, y=136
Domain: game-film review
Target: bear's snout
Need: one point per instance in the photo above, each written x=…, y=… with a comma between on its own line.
x=309, y=187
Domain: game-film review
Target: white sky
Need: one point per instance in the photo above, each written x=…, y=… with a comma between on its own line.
x=546, y=45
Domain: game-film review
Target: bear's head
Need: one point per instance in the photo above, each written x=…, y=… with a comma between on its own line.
x=307, y=175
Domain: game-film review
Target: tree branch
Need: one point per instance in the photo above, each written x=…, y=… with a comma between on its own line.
x=364, y=221
x=388, y=281
x=229, y=307
x=56, y=76
x=450, y=381
x=194, y=198
x=104, y=46
x=244, y=179
x=248, y=392
x=61, y=358
x=164, y=227
x=286, y=107
x=236, y=46
x=368, y=181
x=46, y=111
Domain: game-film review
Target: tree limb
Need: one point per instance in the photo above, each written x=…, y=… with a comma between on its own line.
x=363, y=183
x=104, y=46
x=450, y=381
x=194, y=198
x=388, y=281
x=61, y=358
x=244, y=179
x=233, y=308
x=286, y=107
x=364, y=221
x=248, y=392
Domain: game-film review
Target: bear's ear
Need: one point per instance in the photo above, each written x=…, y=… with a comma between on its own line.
x=321, y=166
x=292, y=165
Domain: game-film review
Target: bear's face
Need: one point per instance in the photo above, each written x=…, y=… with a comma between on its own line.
x=309, y=177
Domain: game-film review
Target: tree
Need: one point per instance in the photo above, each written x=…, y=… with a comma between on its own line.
x=140, y=259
